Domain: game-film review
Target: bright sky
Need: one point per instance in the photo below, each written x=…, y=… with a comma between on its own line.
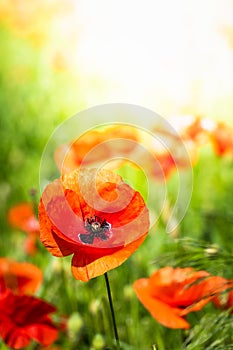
x=171, y=56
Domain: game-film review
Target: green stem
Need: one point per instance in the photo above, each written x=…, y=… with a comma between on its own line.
x=112, y=311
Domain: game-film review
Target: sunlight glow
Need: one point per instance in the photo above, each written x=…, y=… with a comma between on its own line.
x=173, y=57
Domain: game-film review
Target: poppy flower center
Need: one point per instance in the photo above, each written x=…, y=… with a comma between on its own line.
x=96, y=228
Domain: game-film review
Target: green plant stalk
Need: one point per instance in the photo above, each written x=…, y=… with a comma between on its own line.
x=112, y=311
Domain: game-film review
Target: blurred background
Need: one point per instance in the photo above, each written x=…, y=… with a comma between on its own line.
x=60, y=57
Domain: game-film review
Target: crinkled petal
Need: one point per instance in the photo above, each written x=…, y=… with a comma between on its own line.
x=57, y=214
x=163, y=313
x=209, y=289
x=87, y=265
x=18, y=339
x=57, y=243
x=179, y=287
x=23, y=318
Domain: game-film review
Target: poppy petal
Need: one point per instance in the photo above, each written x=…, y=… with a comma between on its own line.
x=55, y=212
x=131, y=222
x=51, y=237
x=222, y=139
x=56, y=245
x=19, y=277
x=23, y=318
x=179, y=287
x=18, y=339
x=210, y=288
x=163, y=313
x=42, y=333
x=86, y=266
x=95, y=146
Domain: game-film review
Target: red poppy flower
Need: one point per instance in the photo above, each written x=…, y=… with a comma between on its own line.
x=196, y=129
x=169, y=294
x=95, y=216
x=204, y=130
x=24, y=318
x=94, y=147
x=22, y=217
x=222, y=139
x=19, y=277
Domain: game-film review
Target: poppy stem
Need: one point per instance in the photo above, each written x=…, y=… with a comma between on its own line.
x=112, y=311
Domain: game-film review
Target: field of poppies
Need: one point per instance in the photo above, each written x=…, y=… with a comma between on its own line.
x=116, y=224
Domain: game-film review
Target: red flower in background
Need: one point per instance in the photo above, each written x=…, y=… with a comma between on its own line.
x=20, y=277
x=22, y=217
x=165, y=150
x=96, y=217
x=222, y=139
x=203, y=130
x=170, y=294
x=24, y=318
x=196, y=129
x=71, y=156
x=92, y=148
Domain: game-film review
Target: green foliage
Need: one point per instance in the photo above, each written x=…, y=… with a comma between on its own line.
x=213, y=332
x=32, y=104
x=199, y=255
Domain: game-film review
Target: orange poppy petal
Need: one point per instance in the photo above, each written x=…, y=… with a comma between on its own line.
x=211, y=288
x=93, y=147
x=179, y=286
x=80, y=180
x=164, y=282
x=50, y=235
x=19, y=277
x=55, y=212
x=56, y=245
x=86, y=265
x=192, y=291
x=222, y=139
x=163, y=313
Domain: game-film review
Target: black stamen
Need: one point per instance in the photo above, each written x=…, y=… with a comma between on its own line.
x=96, y=228
x=87, y=238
